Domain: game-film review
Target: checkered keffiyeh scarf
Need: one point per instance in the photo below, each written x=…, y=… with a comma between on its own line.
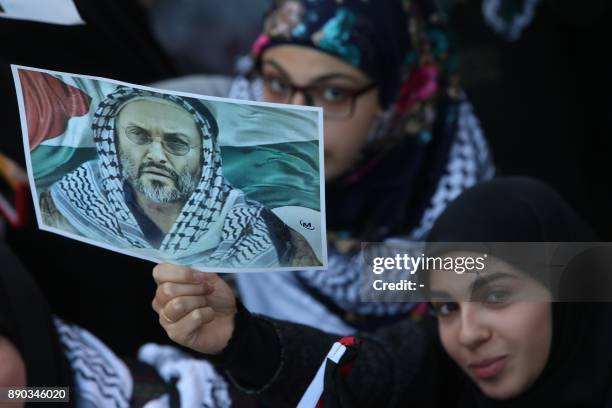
x=215, y=216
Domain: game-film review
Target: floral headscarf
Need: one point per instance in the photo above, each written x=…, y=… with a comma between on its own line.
x=369, y=35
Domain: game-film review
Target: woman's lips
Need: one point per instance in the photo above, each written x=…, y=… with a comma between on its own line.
x=488, y=368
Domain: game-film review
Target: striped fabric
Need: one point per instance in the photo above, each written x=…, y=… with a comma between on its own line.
x=101, y=379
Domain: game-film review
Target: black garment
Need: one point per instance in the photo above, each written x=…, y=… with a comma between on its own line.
x=544, y=99
x=388, y=191
x=150, y=230
x=405, y=365
x=512, y=209
x=25, y=319
x=115, y=43
x=85, y=284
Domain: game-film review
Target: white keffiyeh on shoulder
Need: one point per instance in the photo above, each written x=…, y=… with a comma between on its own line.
x=198, y=384
x=101, y=379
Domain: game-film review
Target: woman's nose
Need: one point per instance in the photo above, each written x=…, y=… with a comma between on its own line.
x=299, y=97
x=474, y=330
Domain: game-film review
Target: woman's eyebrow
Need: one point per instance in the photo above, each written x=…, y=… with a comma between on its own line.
x=438, y=294
x=337, y=75
x=278, y=67
x=325, y=77
x=483, y=281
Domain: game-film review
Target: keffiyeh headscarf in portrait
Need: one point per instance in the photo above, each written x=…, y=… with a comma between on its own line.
x=217, y=225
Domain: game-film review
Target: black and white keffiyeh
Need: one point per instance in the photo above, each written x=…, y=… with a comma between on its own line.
x=468, y=162
x=217, y=220
x=101, y=379
x=197, y=381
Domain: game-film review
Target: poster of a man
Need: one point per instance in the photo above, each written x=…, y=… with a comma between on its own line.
x=155, y=187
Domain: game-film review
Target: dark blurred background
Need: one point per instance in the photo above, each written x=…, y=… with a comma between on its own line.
x=544, y=100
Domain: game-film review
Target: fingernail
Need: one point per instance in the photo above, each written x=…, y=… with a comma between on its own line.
x=198, y=277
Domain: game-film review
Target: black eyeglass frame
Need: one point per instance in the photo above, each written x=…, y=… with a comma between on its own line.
x=307, y=92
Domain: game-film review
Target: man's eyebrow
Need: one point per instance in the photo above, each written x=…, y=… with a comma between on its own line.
x=180, y=134
x=137, y=124
x=322, y=78
x=482, y=281
x=143, y=127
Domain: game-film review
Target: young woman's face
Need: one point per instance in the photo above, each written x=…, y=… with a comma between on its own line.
x=303, y=67
x=12, y=368
x=496, y=325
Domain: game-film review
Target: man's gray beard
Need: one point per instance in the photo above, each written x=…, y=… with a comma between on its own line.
x=180, y=190
x=159, y=193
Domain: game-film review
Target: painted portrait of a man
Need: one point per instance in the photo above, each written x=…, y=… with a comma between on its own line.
x=157, y=186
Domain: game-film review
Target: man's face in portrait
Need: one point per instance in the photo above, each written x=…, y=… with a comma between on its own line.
x=160, y=150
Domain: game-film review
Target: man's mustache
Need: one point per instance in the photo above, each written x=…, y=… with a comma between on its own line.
x=145, y=166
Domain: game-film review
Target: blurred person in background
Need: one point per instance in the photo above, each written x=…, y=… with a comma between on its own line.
x=108, y=38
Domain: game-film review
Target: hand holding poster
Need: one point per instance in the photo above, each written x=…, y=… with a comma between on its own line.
x=208, y=182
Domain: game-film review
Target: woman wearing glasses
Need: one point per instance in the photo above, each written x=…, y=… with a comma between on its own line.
x=401, y=141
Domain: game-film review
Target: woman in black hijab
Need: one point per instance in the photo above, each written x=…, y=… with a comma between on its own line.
x=26, y=324
x=38, y=349
x=498, y=350
x=578, y=369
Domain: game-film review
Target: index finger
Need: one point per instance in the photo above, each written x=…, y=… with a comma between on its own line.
x=179, y=274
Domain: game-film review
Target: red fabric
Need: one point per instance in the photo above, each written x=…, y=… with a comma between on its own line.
x=49, y=104
x=345, y=368
x=348, y=341
x=422, y=84
x=21, y=205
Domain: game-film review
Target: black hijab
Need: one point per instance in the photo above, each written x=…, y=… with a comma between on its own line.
x=25, y=319
x=579, y=368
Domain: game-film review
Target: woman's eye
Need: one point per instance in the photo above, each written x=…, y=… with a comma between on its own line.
x=445, y=309
x=331, y=94
x=277, y=85
x=497, y=296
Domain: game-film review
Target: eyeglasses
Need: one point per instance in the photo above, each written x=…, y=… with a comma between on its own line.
x=171, y=143
x=337, y=102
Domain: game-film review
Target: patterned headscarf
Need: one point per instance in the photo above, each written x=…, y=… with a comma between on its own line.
x=370, y=35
